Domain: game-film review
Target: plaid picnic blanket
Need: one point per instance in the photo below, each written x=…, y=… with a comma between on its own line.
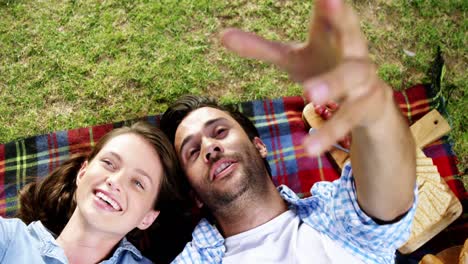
x=280, y=125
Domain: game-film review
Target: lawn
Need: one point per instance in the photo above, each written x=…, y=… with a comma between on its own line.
x=69, y=64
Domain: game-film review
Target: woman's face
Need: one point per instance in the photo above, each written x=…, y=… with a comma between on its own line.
x=117, y=189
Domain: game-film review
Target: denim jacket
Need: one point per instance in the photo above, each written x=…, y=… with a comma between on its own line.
x=35, y=244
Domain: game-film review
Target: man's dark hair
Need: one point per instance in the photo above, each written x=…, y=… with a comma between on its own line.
x=174, y=115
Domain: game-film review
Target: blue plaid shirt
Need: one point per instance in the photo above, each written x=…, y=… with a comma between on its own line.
x=332, y=210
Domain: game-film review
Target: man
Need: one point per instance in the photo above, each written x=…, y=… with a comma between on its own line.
x=361, y=218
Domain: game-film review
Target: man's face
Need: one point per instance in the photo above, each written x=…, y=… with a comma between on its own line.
x=220, y=161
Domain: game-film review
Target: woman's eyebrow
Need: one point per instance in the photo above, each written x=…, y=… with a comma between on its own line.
x=117, y=156
x=142, y=172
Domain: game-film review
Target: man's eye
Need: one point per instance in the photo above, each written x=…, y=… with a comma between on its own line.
x=193, y=152
x=221, y=132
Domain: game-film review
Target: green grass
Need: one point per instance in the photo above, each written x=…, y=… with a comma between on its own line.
x=68, y=64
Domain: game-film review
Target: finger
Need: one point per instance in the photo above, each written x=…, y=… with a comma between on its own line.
x=340, y=20
x=333, y=106
x=320, y=21
x=319, y=109
x=249, y=45
x=327, y=114
x=323, y=111
x=351, y=79
x=337, y=127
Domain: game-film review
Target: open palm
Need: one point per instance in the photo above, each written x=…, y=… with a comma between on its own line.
x=332, y=65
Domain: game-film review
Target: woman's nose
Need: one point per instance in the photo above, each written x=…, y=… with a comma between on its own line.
x=113, y=181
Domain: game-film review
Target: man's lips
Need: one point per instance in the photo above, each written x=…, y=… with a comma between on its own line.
x=222, y=168
x=108, y=198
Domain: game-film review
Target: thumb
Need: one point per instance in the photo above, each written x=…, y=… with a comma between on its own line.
x=249, y=45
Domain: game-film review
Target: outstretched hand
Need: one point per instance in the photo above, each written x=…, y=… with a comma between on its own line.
x=332, y=65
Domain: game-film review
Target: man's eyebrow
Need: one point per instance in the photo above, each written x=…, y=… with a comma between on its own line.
x=184, y=142
x=207, y=124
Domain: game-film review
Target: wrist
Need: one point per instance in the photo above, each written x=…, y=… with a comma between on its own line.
x=383, y=111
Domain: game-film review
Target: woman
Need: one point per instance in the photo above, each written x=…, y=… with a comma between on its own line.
x=83, y=210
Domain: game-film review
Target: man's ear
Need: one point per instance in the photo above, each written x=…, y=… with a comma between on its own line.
x=148, y=219
x=197, y=200
x=261, y=147
x=81, y=172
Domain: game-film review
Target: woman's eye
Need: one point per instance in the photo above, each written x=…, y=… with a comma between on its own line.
x=139, y=184
x=108, y=163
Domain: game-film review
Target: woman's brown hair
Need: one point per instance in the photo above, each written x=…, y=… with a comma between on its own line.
x=52, y=200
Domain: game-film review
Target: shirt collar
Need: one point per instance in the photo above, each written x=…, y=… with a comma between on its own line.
x=288, y=195
x=49, y=246
x=207, y=236
x=125, y=245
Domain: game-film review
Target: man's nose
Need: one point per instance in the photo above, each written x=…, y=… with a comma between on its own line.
x=213, y=149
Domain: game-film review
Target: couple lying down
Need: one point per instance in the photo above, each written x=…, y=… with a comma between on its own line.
x=214, y=155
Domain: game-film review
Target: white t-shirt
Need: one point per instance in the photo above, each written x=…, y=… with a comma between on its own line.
x=330, y=213
x=285, y=239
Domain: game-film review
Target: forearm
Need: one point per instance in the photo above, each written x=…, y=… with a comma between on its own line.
x=384, y=166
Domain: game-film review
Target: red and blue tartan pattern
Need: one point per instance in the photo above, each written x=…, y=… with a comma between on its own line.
x=280, y=126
